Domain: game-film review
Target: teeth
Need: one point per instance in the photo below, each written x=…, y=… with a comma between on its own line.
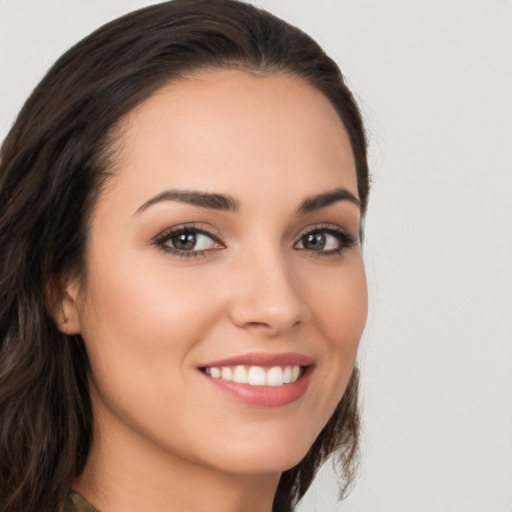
x=240, y=375
x=215, y=372
x=226, y=373
x=256, y=375
x=275, y=376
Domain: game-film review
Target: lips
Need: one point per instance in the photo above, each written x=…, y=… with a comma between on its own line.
x=261, y=379
x=266, y=360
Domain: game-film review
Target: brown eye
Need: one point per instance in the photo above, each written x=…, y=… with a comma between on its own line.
x=314, y=241
x=326, y=241
x=188, y=241
x=184, y=241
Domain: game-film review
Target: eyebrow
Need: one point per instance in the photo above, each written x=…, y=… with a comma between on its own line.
x=326, y=199
x=202, y=199
x=228, y=203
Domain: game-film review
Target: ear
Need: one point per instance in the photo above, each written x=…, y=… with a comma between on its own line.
x=62, y=295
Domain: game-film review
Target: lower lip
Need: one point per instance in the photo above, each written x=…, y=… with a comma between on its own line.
x=264, y=396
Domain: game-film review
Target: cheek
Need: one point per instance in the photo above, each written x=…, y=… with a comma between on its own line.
x=345, y=314
x=340, y=305
x=133, y=301
x=140, y=325
x=140, y=329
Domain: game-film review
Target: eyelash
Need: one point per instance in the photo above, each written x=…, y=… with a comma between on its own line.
x=345, y=239
x=161, y=241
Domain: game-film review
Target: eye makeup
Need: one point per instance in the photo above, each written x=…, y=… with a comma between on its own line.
x=314, y=240
x=183, y=240
x=193, y=241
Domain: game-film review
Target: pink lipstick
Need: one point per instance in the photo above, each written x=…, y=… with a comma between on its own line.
x=261, y=379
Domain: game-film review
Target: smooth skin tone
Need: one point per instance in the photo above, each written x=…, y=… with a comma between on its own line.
x=170, y=286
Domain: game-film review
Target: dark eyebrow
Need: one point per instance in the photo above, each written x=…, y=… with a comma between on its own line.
x=202, y=199
x=228, y=203
x=326, y=199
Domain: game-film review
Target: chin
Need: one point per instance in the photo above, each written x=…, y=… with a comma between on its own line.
x=255, y=458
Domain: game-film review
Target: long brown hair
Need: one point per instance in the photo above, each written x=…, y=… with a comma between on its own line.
x=52, y=166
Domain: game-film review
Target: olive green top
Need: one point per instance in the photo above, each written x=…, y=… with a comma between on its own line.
x=79, y=504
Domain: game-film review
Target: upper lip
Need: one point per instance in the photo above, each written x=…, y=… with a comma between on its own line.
x=263, y=359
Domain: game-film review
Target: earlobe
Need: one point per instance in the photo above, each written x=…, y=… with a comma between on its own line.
x=62, y=295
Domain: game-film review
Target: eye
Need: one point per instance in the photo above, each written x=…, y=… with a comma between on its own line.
x=188, y=241
x=326, y=241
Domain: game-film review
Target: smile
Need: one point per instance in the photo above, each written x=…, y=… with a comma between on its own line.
x=256, y=375
x=261, y=380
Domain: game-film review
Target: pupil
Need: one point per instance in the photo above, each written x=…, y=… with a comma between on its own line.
x=184, y=241
x=314, y=241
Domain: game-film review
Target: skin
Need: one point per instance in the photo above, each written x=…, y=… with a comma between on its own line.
x=150, y=317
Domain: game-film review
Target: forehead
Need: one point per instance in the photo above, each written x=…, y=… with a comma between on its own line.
x=235, y=132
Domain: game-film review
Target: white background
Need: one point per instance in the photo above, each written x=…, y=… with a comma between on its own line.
x=434, y=79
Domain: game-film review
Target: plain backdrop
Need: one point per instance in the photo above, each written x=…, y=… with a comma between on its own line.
x=434, y=81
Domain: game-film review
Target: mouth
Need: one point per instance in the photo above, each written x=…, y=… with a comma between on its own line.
x=262, y=380
x=256, y=375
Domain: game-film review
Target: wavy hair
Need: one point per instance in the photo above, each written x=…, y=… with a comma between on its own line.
x=53, y=164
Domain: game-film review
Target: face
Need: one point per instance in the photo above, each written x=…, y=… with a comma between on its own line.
x=225, y=293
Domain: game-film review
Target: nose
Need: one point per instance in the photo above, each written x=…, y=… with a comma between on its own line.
x=267, y=296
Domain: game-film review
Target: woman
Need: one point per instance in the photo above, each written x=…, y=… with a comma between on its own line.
x=182, y=289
